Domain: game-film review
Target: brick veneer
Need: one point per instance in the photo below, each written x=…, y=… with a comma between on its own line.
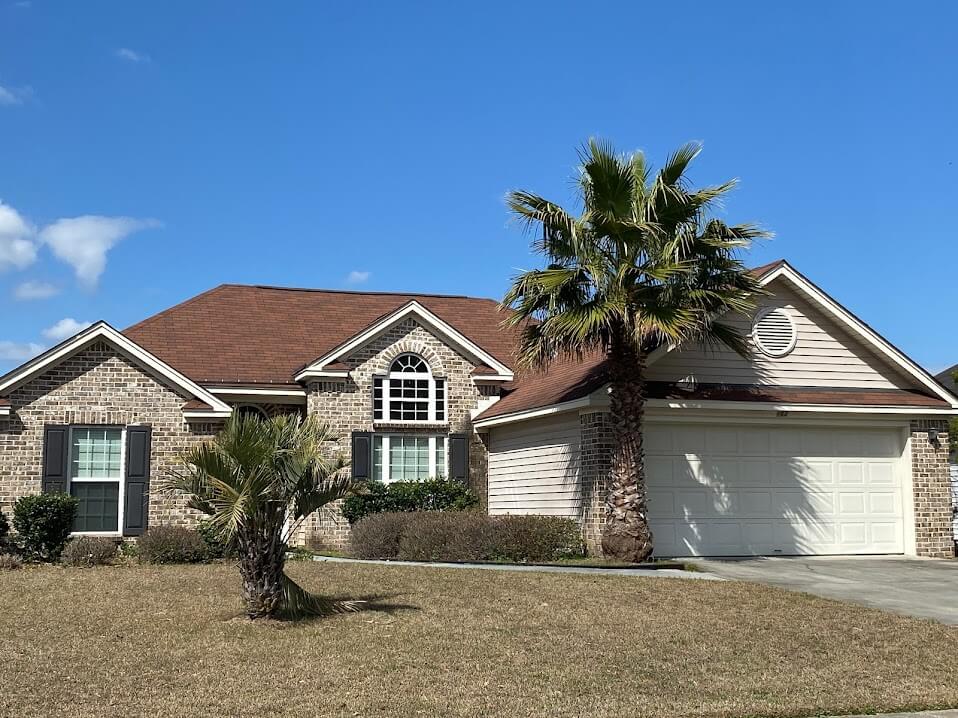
x=595, y=446
x=346, y=406
x=96, y=386
x=931, y=484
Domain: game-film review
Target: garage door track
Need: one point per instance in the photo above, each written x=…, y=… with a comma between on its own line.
x=926, y=588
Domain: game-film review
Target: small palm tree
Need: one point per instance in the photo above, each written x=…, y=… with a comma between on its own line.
x=643, y=265
x=258, y=480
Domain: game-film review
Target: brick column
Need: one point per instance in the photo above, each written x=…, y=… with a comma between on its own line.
x=595, y=448
x=931, y=484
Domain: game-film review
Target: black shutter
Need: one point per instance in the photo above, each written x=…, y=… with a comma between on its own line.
x=362, y=454
x=55, y=456
x=459, y=457
x=136, y=503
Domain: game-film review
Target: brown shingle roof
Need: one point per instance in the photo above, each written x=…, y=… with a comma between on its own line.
x=254, y=334
x=196, y=405
x=4, y=402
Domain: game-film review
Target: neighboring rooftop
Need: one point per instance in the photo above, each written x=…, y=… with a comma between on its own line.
x=947, y=379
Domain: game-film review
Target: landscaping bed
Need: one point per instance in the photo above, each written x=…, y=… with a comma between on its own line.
x=170, y=640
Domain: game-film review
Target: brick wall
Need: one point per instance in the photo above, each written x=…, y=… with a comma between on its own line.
x=931, y=482
x=96, y=386
x=347, y=406
x=595, y=449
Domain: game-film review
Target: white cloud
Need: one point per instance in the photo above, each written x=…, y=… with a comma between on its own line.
x=32, y=289
x=64, y=328
x=14, y=351
x=82, y=242
x=11, y=96
x=17, y=248
x=125, y=53
x=357, y=277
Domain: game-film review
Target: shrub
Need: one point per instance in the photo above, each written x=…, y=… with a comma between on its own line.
x=89, y=551
x=216, y=547
x=464, y=536
x=9, y=562
x=172, y=544
x=43, y=523
x=377, y=536
x=427, y=495
x=536, y=538
x=437, y=536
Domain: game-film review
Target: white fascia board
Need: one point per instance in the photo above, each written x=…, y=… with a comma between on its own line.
x=193, y=415
x=4, y=411
x=411, y=308
x=533, y=413
x=102, y=330
x=321, y=374
x=798, y=408
x=850, y=321
x=232, y=391
x=492, y=378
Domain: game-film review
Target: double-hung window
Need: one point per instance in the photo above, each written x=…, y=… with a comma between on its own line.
x=409, y=393
x=96, y=477
x=408, y=457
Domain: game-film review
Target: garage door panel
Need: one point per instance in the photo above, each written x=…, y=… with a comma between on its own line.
x=803, y=490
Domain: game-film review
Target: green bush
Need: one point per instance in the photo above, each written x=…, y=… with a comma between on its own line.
x=172, y=544
x=465, y=536
x=216, y=546
x=89, y=551
x=426, y=495
x=43, y=523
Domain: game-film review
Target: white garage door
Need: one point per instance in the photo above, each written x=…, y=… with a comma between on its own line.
x=757, y=490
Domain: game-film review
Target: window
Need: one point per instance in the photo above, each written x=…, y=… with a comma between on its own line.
x=252, y=410
x=409, y=393
x=408, y=457
x=96, y=477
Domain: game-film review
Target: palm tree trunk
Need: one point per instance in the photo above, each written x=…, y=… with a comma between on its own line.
x=262, y=558
x=626, y=535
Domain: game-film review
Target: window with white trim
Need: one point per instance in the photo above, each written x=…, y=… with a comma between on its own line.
x=409, y=392
x=408, y=457
x=96, y=478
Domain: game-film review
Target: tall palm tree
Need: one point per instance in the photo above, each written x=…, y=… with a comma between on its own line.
x=258, y=480
x=642, y=265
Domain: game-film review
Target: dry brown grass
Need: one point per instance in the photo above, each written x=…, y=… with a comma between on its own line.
x=164, y=641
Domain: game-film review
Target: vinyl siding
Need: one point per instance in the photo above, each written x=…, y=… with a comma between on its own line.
x=534, y=468
x=825, y=354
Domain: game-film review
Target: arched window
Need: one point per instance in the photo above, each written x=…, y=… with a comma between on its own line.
x=409, y=393
x=252, y=410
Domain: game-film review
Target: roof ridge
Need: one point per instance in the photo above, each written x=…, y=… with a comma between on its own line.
x=321, y=290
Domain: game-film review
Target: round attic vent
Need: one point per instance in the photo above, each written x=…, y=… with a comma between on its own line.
x=774, y=332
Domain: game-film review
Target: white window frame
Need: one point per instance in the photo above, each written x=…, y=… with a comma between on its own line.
x=121, y=494
x=387, y=379
x=433, y=439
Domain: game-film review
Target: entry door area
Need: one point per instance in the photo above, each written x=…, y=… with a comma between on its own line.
x=757, y=489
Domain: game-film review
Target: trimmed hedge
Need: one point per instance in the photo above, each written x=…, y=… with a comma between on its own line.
x=397, y=496
x=172, y=544
x=465, y=536
x=43, y=523
x=89, y=551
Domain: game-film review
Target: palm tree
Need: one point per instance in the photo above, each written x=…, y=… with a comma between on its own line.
x=258, y=480
x=643, y=265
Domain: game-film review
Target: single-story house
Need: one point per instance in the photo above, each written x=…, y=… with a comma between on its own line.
x=827, y=440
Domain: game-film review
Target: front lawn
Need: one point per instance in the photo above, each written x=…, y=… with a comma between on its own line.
x=166, y=641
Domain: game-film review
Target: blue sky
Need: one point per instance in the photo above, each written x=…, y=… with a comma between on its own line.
x=149, y=151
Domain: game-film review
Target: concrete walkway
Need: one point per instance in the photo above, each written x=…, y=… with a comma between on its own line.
x=924, y=714
x=643, y=572
x=924, y=588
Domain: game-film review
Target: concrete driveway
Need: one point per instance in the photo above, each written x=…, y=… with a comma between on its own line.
x=926, y=588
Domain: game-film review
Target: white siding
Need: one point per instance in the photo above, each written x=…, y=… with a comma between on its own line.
x=825, y=354
x=534, y=468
